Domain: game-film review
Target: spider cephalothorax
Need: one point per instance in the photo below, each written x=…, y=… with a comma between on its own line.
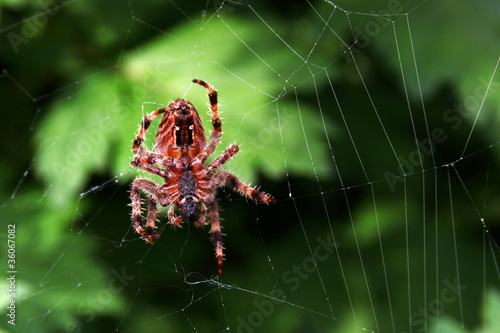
x=189, y=205
x=179, y=154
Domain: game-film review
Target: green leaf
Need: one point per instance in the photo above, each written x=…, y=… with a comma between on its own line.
x=94, y=129
x=75, y=139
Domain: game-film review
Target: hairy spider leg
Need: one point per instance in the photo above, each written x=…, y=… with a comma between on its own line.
x=150, y=188
x=216, y=234
x=201, y=221
x=146, y=121
x=216, y=133
x=175, y=221
x=222, y=176
x=229, y=153
x=144, y=159
x=212, y=95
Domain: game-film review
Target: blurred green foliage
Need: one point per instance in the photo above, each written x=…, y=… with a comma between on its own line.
x=107, y=110
x=80, y=75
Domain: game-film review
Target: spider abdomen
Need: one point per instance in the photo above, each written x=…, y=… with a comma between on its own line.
x=180, y=134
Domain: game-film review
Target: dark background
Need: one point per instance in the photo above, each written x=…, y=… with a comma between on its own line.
x=372, y=229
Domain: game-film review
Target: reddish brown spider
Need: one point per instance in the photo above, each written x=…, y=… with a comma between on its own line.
x=179, y=154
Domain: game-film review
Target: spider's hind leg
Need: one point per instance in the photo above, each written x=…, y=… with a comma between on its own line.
x=150, y=188
x=216, y=134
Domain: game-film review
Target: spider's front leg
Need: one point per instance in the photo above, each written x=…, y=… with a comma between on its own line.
x=150, y=188
x=216, y=234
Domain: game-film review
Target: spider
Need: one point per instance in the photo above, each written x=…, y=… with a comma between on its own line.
x=180, y=151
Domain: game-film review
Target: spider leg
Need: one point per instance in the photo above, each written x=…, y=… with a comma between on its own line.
x=144, y=128
x=201, y=221
x=216, y=133
x=212, y=95
x=146, y=160
x=222, y=176
x=174, y=220
x=223, y=158
x=149, y=187
x=142, y=163
x=216, y=234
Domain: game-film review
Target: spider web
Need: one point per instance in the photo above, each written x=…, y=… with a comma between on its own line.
x=369, y=122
